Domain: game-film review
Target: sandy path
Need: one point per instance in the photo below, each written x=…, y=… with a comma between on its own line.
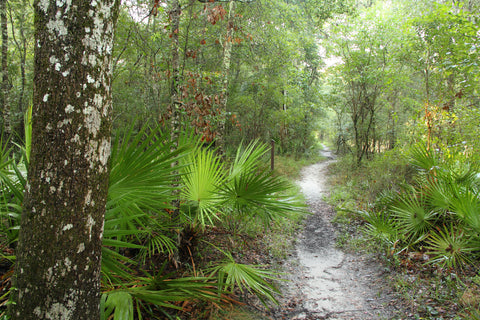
x=326, y=282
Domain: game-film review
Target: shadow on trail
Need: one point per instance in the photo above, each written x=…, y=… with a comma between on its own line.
x=326, y=282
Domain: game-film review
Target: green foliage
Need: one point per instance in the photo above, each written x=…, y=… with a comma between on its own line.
x=139, y=225
x=244, y=191
x=202, y=181
x=413, y=217
x=119, y=304
x=140, y=191
x=253, y=190
x=450, y=247
x=28, y=133
x=159, y=291
x=373, y=184
x=143, y=174
x=232, y=275
x=12, y=185
x=381, y=227
x=439, y=210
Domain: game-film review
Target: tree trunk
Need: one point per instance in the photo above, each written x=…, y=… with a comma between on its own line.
x=7, y=125
x=175, y=11
x=227, y=57
x=60, y=241
x=175, y=76
x=21, y=46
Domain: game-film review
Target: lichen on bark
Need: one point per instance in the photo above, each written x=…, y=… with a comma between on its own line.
x=59, y=250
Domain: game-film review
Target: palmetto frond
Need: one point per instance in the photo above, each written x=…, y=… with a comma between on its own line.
x=412, y=215
x=155, y=242
x=449, y=247
x=160, y=291
x=424, y=158
x=142, y=174
x=117, y=303
x=254, y=279
x=247, y=159
x=465, y=174
x=439, y=194
x=140, y=192
x=252, y=189
x=202, y=180
x=12, y=186
x=466, y=205
x=381, y=226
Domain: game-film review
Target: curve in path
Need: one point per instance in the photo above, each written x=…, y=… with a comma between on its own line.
x=326, y=282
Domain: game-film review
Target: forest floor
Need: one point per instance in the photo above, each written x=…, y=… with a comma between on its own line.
x=326, y=282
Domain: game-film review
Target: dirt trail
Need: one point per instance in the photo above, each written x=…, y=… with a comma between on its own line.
x=326, y=282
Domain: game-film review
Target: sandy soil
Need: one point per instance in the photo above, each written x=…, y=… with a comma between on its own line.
x=326, y=282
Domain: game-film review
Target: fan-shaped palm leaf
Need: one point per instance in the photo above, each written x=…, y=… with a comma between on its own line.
x=140, y=192
x=155, y=242
x=254, y=279
x=142, y=174
x=424, y=158
x=466, y=206
x=202, y=180
x=247, y=159
x=117, y=303
x=253, y=190
x=465, y=174
x=381, y=226
x=439, y=193
x=160, y=291
x=12, y=186
x=412, y=215
x=450, y=247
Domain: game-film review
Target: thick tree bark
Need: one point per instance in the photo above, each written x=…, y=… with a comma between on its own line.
x=59, y=250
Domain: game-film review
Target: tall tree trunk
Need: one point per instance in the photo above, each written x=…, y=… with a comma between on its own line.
x=60, y=241
x=227, y=58
x=175, y=75
x=7, y=125
x=21, y=46
x=175, y=11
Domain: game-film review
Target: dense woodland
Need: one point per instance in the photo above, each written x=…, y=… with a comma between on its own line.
x=190, y=95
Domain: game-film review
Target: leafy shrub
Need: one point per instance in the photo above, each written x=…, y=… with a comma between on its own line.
x=147, y=178
x=437, y=212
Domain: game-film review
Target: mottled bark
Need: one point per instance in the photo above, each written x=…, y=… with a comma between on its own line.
x=59, y=250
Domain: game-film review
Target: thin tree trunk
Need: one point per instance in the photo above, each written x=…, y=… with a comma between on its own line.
x=21, y=46
x=175, y=12
x=175, y=75
x=60, y=241
x=7, y=125
x=227, y=57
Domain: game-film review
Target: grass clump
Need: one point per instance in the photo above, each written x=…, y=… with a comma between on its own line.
x=290, y=167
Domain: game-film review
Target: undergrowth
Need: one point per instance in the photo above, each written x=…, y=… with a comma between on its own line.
x=214, y=249
x=258, y=244
x=290, y=167
x=427, y=290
